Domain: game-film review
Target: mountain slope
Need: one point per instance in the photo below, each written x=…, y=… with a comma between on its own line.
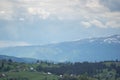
x=91, y=49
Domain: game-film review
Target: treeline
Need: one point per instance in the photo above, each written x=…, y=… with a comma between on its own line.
x=80, y=68
x=74, y=68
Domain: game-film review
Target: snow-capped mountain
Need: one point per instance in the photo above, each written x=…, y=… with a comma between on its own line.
x=113, y=39
x=110, y=39
x=91, y=49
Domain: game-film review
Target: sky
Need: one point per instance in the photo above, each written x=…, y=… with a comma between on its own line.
x=39, y=22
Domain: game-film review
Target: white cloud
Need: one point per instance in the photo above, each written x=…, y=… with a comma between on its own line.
x=83, y=10
x=6, y=9
x=114, y=23
x=12, y=44
x=86, y=24
x=2, y=12
x=21, y=19
x=97, y=23
x=61, y=8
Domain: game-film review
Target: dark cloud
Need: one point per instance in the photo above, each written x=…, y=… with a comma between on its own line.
x=113, y=5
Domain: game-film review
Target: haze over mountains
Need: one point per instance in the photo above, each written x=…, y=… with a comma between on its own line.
x=17, y=59
x=91, y=49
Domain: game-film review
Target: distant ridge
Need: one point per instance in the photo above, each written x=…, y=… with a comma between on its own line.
x=16, y=59
x=91, y=49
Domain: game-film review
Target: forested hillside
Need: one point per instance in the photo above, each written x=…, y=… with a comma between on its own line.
x=43, y=70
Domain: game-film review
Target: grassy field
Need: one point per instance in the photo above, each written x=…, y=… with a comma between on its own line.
x=29, y=76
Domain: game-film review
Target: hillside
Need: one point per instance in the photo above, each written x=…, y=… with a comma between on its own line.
x=91, y=49
x=42, y=70
x=16, y=59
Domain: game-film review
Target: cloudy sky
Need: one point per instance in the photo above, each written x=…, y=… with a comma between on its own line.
x=36, y=22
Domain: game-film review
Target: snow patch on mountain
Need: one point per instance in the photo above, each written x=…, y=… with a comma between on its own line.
x=111, y=40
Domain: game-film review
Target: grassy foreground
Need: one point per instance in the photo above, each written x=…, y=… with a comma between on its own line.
x=29, y=76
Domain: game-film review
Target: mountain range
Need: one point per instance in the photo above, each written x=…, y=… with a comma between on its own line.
x=89, y=49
